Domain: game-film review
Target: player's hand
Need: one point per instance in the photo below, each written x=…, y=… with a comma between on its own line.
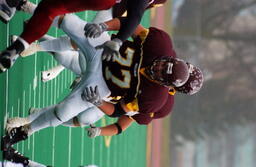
x=92, y=96
x=75, y=83
x=93, y=132
x=94, y=30
x=110, y=49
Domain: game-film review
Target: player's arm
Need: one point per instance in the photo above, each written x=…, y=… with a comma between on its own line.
x=135, y=10
x=120, y=126
x=114, y=129
x=125, y=25
x=114, y=25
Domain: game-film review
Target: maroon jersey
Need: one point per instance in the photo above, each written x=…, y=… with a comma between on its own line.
x=122, y=75
x=125, y=78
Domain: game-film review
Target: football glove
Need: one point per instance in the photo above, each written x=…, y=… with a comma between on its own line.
x=93, y=132
x=110, y=49
x=92, y=96
x=94, y=30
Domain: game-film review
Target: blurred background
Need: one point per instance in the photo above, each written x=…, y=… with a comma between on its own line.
x=216, y=127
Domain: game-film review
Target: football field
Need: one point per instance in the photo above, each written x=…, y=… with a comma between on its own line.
x=21, y=88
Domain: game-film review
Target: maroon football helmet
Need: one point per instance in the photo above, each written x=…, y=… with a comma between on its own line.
x=194, y=83
x=169, y=71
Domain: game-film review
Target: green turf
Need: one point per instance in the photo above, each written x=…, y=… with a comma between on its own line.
x=21, y=88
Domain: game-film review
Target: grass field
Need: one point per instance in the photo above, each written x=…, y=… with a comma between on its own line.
x=21, y=88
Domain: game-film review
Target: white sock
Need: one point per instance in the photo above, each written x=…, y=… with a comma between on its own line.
x=44, y=120
x=32, y=49
x=32, y=116
x=56, y=45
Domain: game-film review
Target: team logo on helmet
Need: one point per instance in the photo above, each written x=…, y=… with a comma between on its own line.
x=169, y=71
x=194, y=83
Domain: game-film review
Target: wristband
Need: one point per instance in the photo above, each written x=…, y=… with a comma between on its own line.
x=119, y=129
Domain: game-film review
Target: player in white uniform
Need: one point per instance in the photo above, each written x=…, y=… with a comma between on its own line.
x=88, y=66
x=68, y=58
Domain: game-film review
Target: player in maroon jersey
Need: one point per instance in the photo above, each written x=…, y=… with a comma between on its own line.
x=150, y=98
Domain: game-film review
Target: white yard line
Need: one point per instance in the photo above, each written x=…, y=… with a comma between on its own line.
x=82, y=146
x=69, y=146
x=93, y=150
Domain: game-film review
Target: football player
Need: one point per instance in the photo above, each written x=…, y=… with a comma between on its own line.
x=47, y=10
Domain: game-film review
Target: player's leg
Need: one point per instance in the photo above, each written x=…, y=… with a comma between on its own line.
x=34, y=113
x=85, y=118
x=56, y=47
x=89, y=52
x=46, y=117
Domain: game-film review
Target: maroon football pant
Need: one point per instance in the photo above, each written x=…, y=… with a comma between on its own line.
x=47, y=10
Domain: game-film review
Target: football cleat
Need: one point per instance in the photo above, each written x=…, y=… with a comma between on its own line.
x=15, y=135
x=10, y=55
x=14, y=156
x=8, y=58
x=6, y=12
x=15, y=122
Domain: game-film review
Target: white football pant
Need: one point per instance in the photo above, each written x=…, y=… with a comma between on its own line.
x=90, y=63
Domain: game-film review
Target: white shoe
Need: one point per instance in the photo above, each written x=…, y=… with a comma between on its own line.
x=6, y=12
x=52, y=73
x=15, y=122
